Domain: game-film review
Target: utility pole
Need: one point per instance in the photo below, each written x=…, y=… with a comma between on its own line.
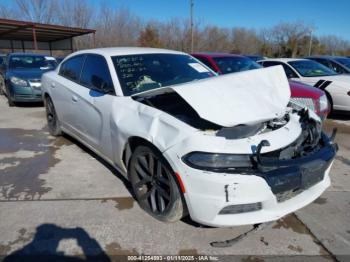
x=310, y=45
x=191, y=23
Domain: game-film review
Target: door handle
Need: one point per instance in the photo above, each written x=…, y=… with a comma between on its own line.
x=75, y=99
x=53, y=85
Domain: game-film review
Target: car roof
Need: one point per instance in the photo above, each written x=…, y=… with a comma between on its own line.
x=285, y=60
x=26, y=54
x=115, y=51
x=326, y=56
x=213, y=54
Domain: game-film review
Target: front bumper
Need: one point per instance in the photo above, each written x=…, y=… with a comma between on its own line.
x=291, y=185
x=25, y=94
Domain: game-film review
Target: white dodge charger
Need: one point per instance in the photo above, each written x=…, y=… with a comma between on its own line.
x=227, y=150
x=336, y=86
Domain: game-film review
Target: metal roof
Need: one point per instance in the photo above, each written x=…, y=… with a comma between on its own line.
x=22, y=30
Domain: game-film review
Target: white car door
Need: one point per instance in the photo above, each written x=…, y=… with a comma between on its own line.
x=64, y=90
x=93, y=103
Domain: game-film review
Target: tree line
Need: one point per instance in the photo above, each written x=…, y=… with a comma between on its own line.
x=120, y=27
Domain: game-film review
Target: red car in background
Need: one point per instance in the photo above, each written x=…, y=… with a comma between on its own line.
x=313, y=98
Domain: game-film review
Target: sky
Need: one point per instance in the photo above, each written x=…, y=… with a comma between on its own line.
x=327, y=16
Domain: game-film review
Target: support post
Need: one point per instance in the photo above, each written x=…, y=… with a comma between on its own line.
x=12, y=49
x=71, y=44
x=50, y=48
x=34, y=38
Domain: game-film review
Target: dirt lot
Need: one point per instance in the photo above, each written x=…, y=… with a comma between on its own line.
x=56, y=197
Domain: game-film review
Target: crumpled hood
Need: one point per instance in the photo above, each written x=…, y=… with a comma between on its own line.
x=240, y=98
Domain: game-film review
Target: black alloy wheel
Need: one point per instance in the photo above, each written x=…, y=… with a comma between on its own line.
x=51, y=116
x=154, y=185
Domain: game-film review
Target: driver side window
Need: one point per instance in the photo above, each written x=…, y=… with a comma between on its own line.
x=337, y=68
x=95, y=74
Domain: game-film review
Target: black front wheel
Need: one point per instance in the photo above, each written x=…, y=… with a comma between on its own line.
x=154, y=185
x=52, y=120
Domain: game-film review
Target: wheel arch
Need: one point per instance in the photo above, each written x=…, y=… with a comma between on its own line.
x=135, y=141
x=130, y=146
x=330, y=99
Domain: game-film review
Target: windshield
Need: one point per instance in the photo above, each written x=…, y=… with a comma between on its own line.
x=143, y=72
x=231, y=64
x=31, y=62
x=309, y=68
x=344, y=61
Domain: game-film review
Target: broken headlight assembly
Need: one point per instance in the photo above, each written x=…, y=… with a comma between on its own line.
x=323, y=102
x=218, y=162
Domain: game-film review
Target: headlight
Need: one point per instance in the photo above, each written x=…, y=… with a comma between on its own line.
x=18, y=81
x=303, y=102
x=217, y=162
x=323, y=101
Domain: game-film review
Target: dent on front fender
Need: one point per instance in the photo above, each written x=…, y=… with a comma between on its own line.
x=133, y=119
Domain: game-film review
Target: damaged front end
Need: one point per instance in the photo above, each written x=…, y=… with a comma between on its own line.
x=289, y=170
x=299, y=166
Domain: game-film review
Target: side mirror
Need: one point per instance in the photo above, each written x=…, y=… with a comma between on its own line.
x=99, y=85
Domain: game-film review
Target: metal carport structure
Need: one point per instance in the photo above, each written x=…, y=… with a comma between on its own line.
x=24, y=36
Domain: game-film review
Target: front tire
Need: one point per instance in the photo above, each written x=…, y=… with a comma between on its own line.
x=154, y=185
x=52, y=119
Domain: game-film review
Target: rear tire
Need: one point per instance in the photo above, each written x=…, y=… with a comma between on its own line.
x=2, y=86
x=10, y=101
x=52, y=120
x=154, y=185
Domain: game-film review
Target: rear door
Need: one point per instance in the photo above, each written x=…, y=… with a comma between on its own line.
x=64, y=90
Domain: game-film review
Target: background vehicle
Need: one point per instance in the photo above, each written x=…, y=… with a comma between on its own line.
x=59, y=59
x=308, y=96
x=187, y=139
x=336, y=86
x=338, y=64
x=255, y=57
x=21, y=76
x=2, y=59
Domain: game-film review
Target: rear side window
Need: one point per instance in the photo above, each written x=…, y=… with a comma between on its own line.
x=322, y=61
x=207, y=63
x=72, y=67
x=96, y=74
x=289, y=72
x=337, y=68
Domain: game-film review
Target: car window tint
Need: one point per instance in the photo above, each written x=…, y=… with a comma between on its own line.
x=337, y=68
x=96, y=74
x=207, y=63
x=233, y=64
x=143, y=72
x=322, y=61
x=270, y=63
x=289, y=72
x=72, y=67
